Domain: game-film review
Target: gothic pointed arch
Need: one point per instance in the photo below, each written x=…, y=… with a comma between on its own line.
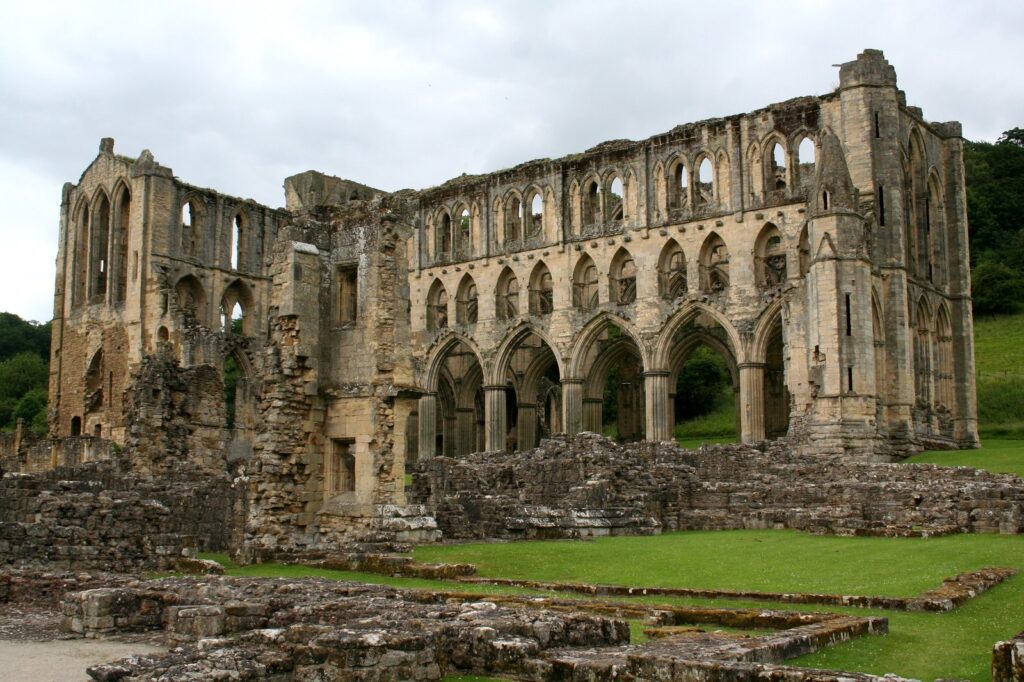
x=437, y=306
x=622, y=278
x=923, y=351
x=769, y=258
x=79, y=275
x=506, y=295
x=672, y=271
x=450, y=341
x=714, y=264
x=466, y=301
x=191, y=299
x=541, y=290
x=235, y=309
x=585, y=284
x=99, y=245
x=119, y=242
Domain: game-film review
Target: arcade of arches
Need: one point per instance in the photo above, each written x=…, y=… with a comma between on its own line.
x=607, y=379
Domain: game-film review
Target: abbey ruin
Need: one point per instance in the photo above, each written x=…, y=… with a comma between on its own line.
x=818, y=245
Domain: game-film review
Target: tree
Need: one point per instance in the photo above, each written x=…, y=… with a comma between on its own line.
x=22, y=373
x=701, y=382
x=22, y=336
x=995, y=210
x=997, y=288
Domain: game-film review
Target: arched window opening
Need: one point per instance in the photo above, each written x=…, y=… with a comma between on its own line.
x=98, y=245
x=923, y=353
x=119, y=268
x=465, y=234
x=936, y=230
x=506, y=304
x=536, y=215
x=236, y=241
x=232, y=320
x=616, y=194
x=714, y=264
x=622, y=281
x=76, y=426
x=678, y=185
x=824, y=200
x=584, y=288
x=444, y=237
x=704, y=396
x=770, y=260
x=513, y=219
x=80, y=265
x=190, y=229
x=805, y=252
x=541, y=291
x=944, y=343
x=437, y=307
x=466, y=303
x=672, y=271
x=190, y=300
x=806, y=158
x=777, y=172
x=705, y=193
x=591, y=204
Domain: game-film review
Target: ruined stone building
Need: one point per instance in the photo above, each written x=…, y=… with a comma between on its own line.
x=818, y=245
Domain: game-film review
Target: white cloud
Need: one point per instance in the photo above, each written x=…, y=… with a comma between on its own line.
x=237, y=95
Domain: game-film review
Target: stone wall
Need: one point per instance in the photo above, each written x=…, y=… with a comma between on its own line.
x=42, y=455
x=589, y=485
x=101, y=516
x=1008, y=660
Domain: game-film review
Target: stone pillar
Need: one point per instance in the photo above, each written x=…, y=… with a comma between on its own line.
x=659, y=422
x=427, y=424
x=752, y=402
x=572, y=405
x=465, y=438
x=526, y=427
x=494, y=418
x=592, y=414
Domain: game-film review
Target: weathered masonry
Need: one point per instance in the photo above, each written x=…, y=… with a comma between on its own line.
x=818, y=245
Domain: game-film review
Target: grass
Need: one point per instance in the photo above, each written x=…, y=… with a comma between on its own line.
x=1003, y=456
x=921, y=645
x=1000, y=378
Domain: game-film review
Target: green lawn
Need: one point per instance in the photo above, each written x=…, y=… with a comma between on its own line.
x=1001, y=455
x=1000, y=376
x=921, y=645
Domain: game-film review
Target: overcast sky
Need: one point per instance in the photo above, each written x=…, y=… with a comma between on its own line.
x=237, y=96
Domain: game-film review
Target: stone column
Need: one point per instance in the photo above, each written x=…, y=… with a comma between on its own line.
x=659, y=423
x=465, y=442
x=427, y=424
x=752, y=402
x=572, y=405
x=526, y=428
x=494, y=418
x=592, y=414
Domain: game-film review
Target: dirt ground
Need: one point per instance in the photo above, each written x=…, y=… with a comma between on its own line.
x=33, y=648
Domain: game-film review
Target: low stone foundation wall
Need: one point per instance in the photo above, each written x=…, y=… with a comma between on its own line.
x=589, y=485
x=99, y=516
